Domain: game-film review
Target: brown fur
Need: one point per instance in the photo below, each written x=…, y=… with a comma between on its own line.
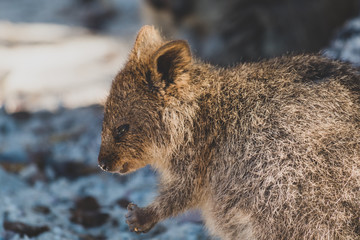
x=267, y=150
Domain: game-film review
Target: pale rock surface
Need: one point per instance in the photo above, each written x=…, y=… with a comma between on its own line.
x=43, y=66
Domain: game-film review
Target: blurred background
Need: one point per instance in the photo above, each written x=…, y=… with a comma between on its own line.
x=57, y=61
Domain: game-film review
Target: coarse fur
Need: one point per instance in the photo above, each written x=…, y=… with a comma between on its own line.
x=267, y=150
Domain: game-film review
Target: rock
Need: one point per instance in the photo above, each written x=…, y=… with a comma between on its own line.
x=21, y=115
x=123, y=202
x=87, y=213
x=13, y=167
x=89, y=219
x=91, y=237
x=72, y=170
x=87, y=204
x=24, y=229
x=42, y=209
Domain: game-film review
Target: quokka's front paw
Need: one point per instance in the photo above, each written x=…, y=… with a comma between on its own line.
x=138, y=219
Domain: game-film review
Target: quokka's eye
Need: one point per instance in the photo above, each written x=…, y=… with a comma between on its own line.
x=120, y=131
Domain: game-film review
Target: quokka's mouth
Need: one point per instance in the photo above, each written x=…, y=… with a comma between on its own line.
x=124, y=168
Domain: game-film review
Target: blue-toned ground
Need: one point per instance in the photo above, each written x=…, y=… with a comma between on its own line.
x=48, y=173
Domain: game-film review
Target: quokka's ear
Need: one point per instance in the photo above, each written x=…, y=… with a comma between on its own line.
x=147, y=41
x=171, y=62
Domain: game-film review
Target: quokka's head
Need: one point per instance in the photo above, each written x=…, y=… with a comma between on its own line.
x=154, y=78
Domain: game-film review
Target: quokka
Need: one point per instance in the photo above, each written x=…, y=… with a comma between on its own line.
x=266, y=150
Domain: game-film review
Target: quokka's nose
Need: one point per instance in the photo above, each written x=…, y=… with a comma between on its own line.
x=103, y=166
x=104, y=163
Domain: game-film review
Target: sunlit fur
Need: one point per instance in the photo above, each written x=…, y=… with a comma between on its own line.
x=267, y=150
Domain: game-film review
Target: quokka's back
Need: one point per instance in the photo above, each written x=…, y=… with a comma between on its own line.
x=288, y=159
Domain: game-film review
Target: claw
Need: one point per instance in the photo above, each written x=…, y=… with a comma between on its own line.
x=133, y=218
